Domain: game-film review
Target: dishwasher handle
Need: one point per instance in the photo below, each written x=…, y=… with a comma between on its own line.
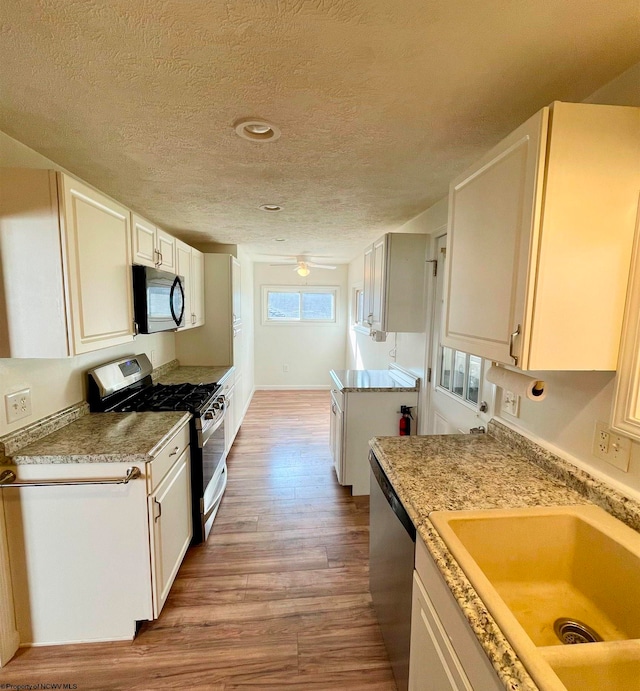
x=391, y=496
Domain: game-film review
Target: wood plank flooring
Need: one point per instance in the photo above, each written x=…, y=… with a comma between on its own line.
x=278, y=598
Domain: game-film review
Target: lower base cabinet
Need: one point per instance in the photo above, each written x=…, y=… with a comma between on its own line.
x=445, y=653
x=89, y=561
x=356, y=417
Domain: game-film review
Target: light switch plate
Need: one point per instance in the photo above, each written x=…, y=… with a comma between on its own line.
x=18, y=405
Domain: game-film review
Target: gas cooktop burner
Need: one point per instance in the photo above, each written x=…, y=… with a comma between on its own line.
x=190, y=397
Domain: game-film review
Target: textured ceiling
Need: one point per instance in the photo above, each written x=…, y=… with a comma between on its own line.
x=380, y=102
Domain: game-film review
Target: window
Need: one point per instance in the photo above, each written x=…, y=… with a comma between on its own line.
x=308, y=304
x=461, y=374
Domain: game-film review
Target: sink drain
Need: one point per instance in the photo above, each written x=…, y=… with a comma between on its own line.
x=571, y=631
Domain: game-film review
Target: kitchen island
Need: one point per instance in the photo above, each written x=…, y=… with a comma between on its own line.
x=499, y=470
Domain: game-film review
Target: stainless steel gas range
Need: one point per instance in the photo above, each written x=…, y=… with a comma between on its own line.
x=125, y=385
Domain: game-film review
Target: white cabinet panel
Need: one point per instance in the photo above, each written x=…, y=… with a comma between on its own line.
x=73, y=243
x=394, y=283
x=197, y=287
x=170, y=528
x=98, y=267
x=166, y=246
x=144, y=241
x=539, y=241
x=152, y=246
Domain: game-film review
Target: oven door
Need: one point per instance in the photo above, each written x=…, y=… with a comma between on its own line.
x=214, y=472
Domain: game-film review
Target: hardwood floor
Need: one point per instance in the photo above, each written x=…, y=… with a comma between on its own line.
x=278, y=598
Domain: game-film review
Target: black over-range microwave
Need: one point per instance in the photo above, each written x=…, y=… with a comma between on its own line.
x=158, y=300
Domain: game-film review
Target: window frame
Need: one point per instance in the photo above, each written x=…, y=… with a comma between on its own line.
x=266, y=289
x=465, y=384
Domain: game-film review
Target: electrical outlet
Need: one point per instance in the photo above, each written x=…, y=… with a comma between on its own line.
x=510, y=403
x=611, y=447
x=18, y=405
x=153, y=357
x=285, y=368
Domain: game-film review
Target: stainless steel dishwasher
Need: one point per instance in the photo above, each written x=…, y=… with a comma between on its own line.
x=392, y=543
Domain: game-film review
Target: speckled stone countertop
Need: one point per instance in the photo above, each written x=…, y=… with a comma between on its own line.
x=501, y=469
x=194, y=375
x=369, y=380
x=104, y=438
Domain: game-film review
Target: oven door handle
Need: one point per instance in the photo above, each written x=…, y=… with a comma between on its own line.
x=206, y=434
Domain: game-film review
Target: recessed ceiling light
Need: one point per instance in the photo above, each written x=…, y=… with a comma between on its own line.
x=256, y=130
x=270, y=207
x=281, y=240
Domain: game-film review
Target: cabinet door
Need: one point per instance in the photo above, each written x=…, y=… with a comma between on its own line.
x=170, y=528
x=98, y=267
x=197, y=287
x=229, y=423
x=184, y=268
x=166, y=246
x=367, y=316
x=494, y=210
x=143, y=235
x=433, y=663
x=236, y=289
x=335, y=436
x=378, y=284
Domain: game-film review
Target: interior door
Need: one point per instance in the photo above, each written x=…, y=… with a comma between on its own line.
x=456, y=386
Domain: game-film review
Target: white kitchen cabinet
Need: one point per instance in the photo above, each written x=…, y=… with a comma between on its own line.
x=189, y=264
x=197, y=286
x=170, y=528
x=445, y=654
x=236, y=292
x=539, y=241
x=88, y=561
x=152, y=246
x=336, y=432
x=394, y=283
x=66, y=265
x=362, y=409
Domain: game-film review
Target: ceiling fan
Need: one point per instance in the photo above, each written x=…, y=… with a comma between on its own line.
x=302, y=266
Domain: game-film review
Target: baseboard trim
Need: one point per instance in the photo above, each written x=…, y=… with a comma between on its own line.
x=289, y=387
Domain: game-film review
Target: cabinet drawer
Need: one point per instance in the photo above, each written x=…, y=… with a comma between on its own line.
x=163, y=462
x=337, y=397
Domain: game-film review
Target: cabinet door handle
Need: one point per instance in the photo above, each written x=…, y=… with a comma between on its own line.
x=159, y=505
x=512, y=338
x=370, y=319
x=174, y=452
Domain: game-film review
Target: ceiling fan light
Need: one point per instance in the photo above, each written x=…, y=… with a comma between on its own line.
x=303, y=270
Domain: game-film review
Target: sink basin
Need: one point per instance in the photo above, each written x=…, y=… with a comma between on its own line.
x=601, y=666
x=536, y=567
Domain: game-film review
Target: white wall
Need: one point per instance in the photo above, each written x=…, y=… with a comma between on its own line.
x=310, y=350
x=56, y=384
x=564, y=422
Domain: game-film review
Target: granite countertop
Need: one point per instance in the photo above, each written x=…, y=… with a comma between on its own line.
x=194, y=375
x=500, y=469
x=369, y=380
x=104, y=438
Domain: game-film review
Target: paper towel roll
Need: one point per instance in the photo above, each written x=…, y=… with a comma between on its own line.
x=521, y=384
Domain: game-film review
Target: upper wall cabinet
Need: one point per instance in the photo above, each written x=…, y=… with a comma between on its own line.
x=65, y=264
x=151, y=246
x=539, y=241
x=394, y=291
x=190, y=264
